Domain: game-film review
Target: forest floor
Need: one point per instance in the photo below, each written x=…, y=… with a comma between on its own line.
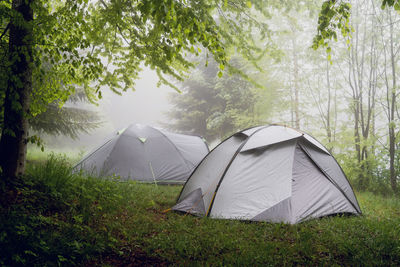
x=53, y=217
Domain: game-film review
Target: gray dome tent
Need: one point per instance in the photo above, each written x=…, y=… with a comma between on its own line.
x=268, y=173
x=148, y=154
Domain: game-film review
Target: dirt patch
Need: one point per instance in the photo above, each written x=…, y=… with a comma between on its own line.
x=129, y=259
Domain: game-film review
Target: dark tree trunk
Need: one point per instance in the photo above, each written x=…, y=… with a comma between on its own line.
x=14, y=138
x=393, y=176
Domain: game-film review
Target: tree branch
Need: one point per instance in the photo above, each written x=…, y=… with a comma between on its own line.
x=5, y=31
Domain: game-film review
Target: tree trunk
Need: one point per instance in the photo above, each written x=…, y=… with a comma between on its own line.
x=356, y=132
x=295, y=85
x=14, y=138
x=392, y=136
x=393, y=176
x=328, y=109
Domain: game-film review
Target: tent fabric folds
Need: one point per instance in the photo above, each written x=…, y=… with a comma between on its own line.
x=270, y=173
x=146, y=154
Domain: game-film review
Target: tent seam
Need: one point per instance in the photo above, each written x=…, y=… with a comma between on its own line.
x=302, y=135
x=97, y=149
x=172, y=143
x=113, y=149
x=291, y=179
x=227, y=167
x=209, y=152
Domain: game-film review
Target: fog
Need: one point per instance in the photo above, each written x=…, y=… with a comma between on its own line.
x=307, y=89
x=146, y=105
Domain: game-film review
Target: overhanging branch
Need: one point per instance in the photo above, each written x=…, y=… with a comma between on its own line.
x=5, y=31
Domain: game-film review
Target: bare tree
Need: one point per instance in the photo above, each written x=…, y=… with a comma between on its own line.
x=391, y=50
x=362, y=80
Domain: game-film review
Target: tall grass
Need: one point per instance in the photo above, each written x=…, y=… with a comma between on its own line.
x=61, y=218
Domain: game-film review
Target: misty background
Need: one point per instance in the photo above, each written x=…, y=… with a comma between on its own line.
x=345, y=95
x=148, y=104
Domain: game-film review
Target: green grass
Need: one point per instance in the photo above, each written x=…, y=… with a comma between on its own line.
x=35, y=155
x=68, y=219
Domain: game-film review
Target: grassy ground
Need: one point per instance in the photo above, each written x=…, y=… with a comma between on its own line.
x=59, y=218
x=35, y=155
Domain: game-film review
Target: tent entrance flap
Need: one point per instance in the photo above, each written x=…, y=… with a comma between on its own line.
x=314, y=194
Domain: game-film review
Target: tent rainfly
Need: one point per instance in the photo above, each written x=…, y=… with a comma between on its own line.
x=268, y=173
x=147, y=154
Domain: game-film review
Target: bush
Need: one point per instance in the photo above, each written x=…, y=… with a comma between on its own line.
x=54, y=218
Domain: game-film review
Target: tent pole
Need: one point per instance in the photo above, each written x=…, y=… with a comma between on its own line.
x=152, y=173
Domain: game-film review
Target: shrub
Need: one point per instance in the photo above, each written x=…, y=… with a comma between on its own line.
x=54, y=218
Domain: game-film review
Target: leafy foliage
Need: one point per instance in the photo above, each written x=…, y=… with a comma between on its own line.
x=103, y=44
x=334, y=16
x=391, y=3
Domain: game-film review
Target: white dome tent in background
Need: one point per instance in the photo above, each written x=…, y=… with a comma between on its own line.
x=148, y=154
x=268, y=173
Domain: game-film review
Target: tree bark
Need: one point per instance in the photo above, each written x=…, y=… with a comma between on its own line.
x=392, y=135
x=14, y=138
